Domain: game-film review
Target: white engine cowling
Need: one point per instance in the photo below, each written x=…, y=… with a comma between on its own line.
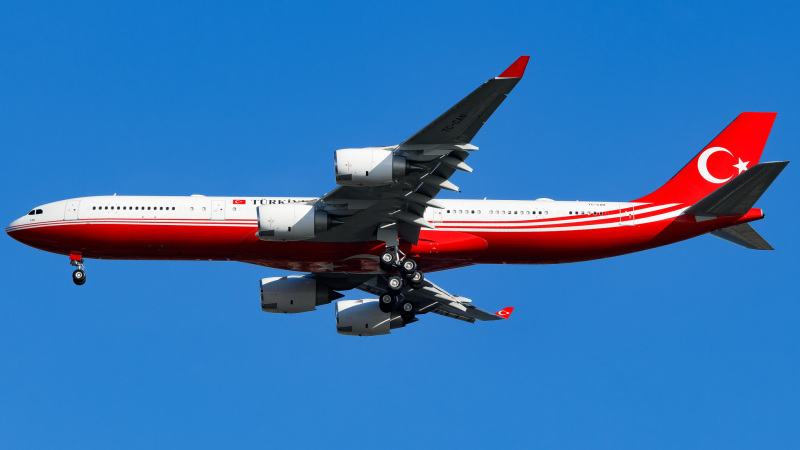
x=365, y=318
x=290, y=222
x=294, y=294
x=370, y=166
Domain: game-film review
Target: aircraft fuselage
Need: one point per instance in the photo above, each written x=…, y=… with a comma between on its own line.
x=466, y=232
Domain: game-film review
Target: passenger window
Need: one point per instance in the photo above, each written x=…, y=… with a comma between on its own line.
x=106, y=207
x=94, y=207
x=173, y=208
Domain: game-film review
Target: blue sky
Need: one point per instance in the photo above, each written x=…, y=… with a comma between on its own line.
x=694, y=345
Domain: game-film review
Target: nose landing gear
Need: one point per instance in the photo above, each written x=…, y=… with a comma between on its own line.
x=79, y=275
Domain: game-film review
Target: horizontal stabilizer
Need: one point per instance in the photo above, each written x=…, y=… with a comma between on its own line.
x=743, y=235
x=737, y=196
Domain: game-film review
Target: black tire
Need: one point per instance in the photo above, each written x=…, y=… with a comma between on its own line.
x=408, y=266
x=387, y=260
x=386, y=302
x=79, y=277
x=407, y=311
x=394, y=283
x=416, y=280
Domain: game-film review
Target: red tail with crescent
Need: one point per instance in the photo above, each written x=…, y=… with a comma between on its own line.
x=733, y=151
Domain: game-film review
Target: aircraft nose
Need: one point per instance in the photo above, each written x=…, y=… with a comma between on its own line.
x=14, y=226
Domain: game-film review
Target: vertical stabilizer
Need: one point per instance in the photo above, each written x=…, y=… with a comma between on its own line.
x=733, y=151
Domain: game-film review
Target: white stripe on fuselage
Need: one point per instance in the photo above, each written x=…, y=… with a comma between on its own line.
x=457, y=215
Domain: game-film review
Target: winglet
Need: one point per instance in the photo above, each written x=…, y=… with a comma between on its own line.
x=517, y=69
x=505, y=313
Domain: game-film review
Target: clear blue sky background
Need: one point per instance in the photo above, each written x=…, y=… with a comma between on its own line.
x=690, y=346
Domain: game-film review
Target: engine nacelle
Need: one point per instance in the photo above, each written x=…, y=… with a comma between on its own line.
x=290, y=222
x=370, y=166
x=294, y=294
x=365, y=318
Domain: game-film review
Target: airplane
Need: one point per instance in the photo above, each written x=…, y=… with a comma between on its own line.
x=382, y=229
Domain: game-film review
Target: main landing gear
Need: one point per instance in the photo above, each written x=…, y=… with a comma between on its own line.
x=394, y=261
x=79, y=275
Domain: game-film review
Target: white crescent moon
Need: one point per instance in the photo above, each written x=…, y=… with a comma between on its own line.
x=702, y=164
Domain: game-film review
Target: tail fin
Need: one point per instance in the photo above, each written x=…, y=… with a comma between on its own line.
x=738, y=147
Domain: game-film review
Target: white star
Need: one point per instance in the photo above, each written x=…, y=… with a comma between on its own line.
x=742, y=166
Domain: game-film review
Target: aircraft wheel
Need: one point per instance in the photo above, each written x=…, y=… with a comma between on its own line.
x=79, y=277
x=386, y=302
x=416, y=280
x=407, y=311
x=408, y=266
x=395, y=283
x=387, y=259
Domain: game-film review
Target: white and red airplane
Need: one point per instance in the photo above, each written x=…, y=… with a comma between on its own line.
x=382, y=227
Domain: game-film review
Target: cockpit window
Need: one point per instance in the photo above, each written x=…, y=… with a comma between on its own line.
x=39, y=211
x=32, y=212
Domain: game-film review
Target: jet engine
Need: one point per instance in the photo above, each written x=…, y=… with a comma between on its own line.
x=370, y=166
x=291, y=222
x=294, y=294
x=365, y=318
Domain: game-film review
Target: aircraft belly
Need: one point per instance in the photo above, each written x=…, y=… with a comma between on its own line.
x=440, y=249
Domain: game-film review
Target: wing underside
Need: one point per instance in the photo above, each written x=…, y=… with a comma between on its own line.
x=435, y=153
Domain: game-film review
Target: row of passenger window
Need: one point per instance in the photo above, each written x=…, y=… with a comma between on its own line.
x=526, y=213
x=473, y=211
x=136, y=208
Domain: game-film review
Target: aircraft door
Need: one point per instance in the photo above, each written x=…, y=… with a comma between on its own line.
x=71, y=212
x=437, y=215
x=627, y=215
x=217, y=210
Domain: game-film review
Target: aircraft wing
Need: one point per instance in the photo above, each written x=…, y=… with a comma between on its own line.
x=432, y=298
x=395, y=211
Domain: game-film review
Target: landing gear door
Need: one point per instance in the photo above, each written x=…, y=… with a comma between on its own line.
x=217, y=210
x=71, y=213
x=627, y=215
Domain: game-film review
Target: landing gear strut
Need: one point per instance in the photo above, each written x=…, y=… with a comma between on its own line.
x=79, y=275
